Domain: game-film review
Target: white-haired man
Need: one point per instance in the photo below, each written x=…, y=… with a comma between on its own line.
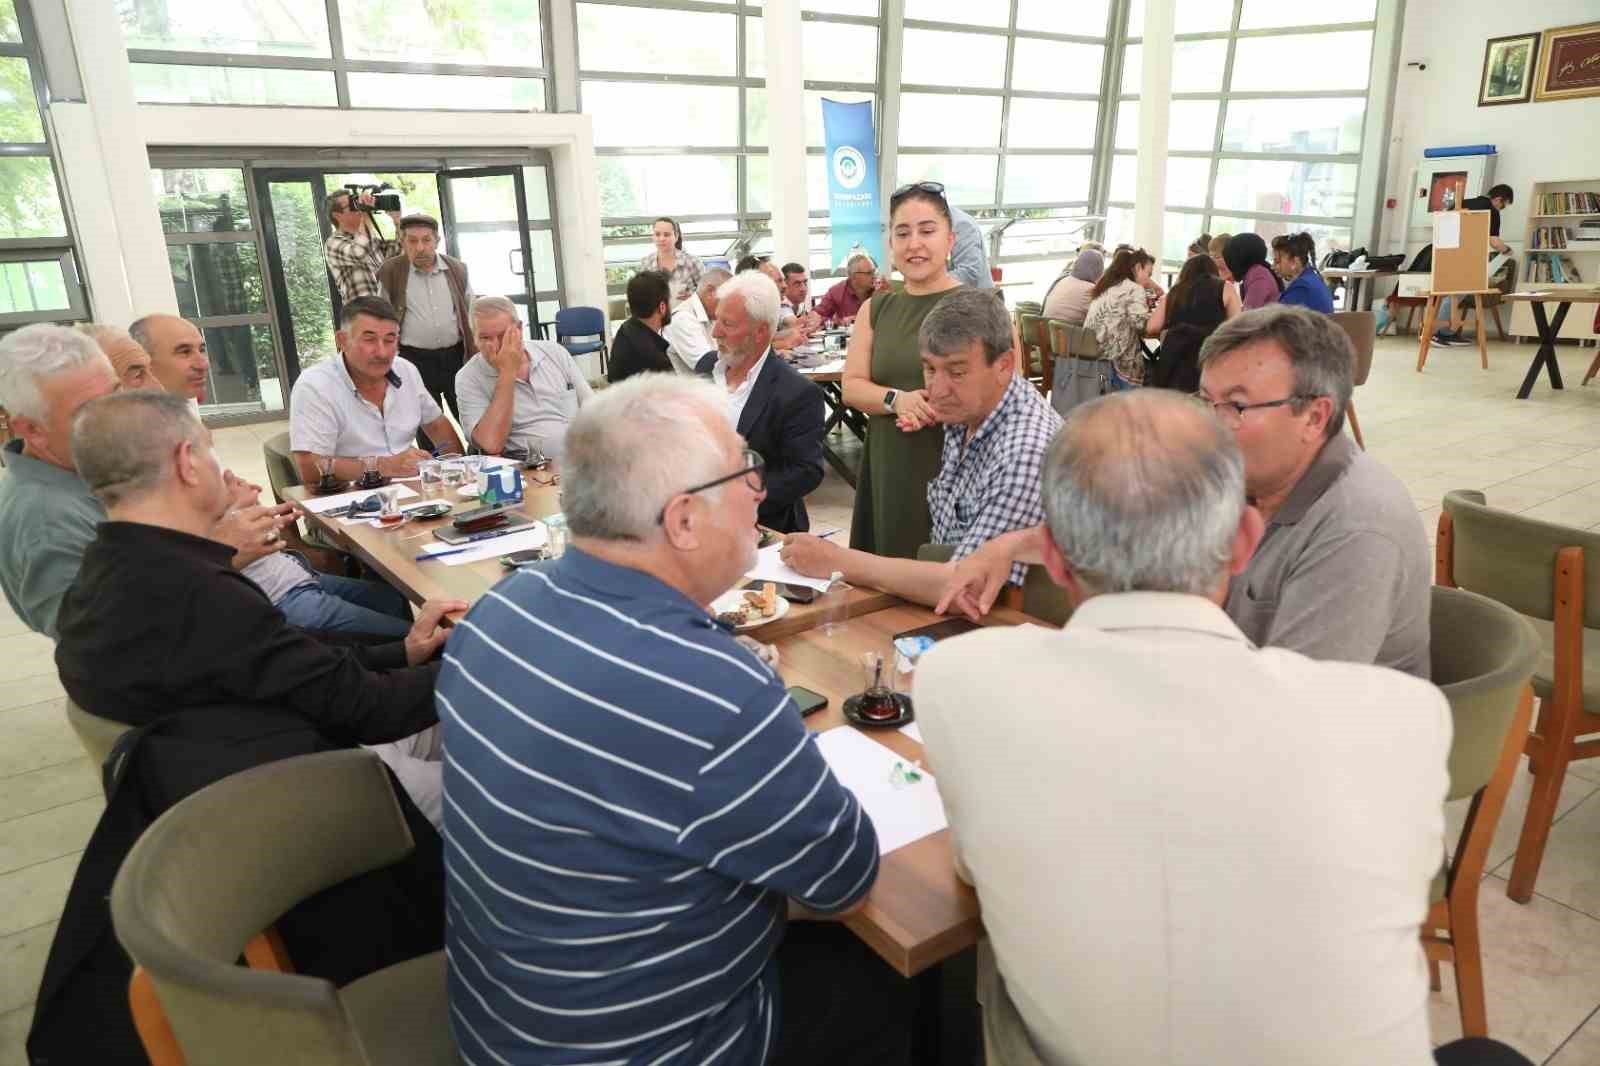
x=1249, y=960
x=773, y=407
x=688, y=330
x=633, y=804
x=517, y=397
x=47, y=515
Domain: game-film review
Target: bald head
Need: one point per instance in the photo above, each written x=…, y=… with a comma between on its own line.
x=177, y=354
x=1144, y=491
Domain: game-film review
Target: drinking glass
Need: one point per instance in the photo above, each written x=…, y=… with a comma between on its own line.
x=879, y=678
x=371, y=476
x=431, y=476
x=451, y=473
x=389, y=512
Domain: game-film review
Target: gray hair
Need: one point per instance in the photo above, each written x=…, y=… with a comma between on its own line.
x=859, y=257
x=34, y=353
x=494, y=305
x=635, y=446
x=1143, y=491
x=122, y=444
x=964, y=316
x=139, y=330
x=712, y=279
x=759, y=295
x=1319, y=352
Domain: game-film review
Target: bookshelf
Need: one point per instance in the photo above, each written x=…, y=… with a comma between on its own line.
x=1554, y=256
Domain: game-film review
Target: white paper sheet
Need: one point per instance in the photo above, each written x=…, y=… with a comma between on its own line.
x=912, y=731
x=1446, y=230
x=901, y=814
x=320, y=504
x=366, y=518
x=771, y=567
x=833, y=367
x=493, y=548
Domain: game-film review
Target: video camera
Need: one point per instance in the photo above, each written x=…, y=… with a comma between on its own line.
x=380, y=200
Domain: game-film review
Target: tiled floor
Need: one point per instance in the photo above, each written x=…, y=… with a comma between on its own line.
x=1454, y=426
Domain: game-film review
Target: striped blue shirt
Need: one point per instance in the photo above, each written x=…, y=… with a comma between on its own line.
x=629, y=796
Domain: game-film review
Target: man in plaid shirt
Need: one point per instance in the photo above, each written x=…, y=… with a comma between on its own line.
x=355, y=250
x=997, y=429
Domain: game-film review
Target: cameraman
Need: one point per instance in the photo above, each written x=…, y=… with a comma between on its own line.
x=356, y=249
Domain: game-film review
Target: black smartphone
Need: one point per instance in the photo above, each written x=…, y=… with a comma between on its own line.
x=527, y=555
x=809, y=702
x=950, y=627
x=797, y=593
x=478, y=514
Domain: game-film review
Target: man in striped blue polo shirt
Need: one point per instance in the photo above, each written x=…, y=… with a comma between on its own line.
x=633, y=808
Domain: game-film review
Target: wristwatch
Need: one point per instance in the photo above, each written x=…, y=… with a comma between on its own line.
x=889, y=399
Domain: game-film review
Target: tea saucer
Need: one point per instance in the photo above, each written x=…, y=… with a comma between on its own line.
x=852, y=713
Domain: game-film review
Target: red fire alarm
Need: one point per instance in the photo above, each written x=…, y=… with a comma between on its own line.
x=1390, y=202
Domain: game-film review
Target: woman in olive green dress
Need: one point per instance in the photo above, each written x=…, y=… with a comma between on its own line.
x=883, y=379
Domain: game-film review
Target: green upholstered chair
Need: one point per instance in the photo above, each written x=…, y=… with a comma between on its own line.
x=1039, y=596
x=222, y=865
x=1483, y=655
x=1032, y=358
x=282, y=473
x=1537, y=569
x=97, y=735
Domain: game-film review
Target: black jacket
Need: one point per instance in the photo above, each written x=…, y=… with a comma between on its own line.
x=637, y=349
x=783, y=422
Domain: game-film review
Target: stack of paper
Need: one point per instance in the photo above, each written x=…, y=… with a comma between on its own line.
x=901, y=812
x=771, y=567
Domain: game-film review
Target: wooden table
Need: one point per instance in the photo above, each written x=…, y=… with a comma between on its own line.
x=919, y=913
x=1549, y=330
x=1430, y=321
x=1353, y=280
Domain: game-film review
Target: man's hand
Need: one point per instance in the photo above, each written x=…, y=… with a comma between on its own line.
x=429, y=632
x=912, y=411
x=241, y=493
x=402, y=464
x=508, y=357
x=812, y=556
x=975, y=582
x=252, y=532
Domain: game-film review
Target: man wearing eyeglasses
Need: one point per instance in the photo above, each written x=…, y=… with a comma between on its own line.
x=843, y=300
x=1343, y=569
x=640, y=832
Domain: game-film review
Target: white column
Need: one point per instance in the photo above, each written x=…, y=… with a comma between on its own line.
x=786, y=131
x=562, y=57
x=125, y=223
x=1366, y=231
x=894, y=33
x=1155, y=98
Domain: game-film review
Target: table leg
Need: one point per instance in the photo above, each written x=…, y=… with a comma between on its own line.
x=1546, y=355
x=1430, y=314
x=1477, y=318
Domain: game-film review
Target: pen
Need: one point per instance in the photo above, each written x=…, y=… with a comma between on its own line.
x=439, y=555
x=829, y=533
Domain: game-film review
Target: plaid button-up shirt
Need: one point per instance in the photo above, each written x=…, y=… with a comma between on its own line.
x=354, y=261
x=989, y=485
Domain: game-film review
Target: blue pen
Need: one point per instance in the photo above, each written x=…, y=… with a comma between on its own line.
x=439, y=555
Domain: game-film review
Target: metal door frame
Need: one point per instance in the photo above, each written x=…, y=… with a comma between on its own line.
x=452, y=230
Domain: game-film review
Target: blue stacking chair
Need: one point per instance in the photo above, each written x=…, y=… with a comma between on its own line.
x=582, y=322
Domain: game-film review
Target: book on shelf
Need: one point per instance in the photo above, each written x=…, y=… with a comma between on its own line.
x=1569, y=203
x=1549, y=237
x=1555, y=269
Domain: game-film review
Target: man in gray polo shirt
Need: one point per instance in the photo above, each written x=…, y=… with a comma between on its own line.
x=1343, y=570
x=367, y=402
x=517, y=396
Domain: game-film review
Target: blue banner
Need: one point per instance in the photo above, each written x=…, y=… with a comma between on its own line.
x=853, y=208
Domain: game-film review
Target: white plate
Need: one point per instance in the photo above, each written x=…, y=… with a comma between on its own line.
x=733, y=599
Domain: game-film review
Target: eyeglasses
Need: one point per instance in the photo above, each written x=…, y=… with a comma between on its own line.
x=1233, y=413
x=934, y=187
x=754, y=473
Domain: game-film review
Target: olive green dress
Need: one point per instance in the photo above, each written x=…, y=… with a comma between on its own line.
x=891, y=515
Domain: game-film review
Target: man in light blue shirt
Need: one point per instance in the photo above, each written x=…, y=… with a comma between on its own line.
x=969, y=263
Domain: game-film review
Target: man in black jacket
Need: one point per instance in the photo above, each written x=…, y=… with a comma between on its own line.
x=778, y=412
x=639, y=347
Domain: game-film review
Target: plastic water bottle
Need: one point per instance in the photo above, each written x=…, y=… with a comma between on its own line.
x=834, y=597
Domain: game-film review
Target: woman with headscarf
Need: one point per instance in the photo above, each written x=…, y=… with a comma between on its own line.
x=1068, y=299
x=1246, y=256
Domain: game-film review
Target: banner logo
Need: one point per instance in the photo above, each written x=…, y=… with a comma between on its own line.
x=849, y=169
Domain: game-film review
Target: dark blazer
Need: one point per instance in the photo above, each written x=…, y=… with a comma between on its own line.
x=782, y=422
x=637, y=349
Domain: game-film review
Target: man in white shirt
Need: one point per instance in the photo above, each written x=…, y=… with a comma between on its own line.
x=1256, y=897
x=517, y=397
x=689, y=331
x=369, y=402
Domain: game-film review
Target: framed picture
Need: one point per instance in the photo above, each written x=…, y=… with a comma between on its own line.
x=1508, y=68
x=1569, y=63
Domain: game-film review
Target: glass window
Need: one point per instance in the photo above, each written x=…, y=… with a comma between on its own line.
x=755, y=109
x=201, y=199
x=1124, y=179
x=1322, y=126
x=419, y=190
x=32, y=285
x=1045, y=179
x=839, y=51
x=216, y=278
x=456, y=92
x=9, y=30
x=1283, y=187
x=1192, y=126
x=972, y=60
x=536, y=193
x=654, y=41
x=281, y=28
x=1056, y=66
x=755, y=47
x=543, y=242
x=1190, y=16
x=19, y=109
x=1177, y=230
x=1197, y=67
x=836, y=7
x=759, y=190
x=30, y=205
x=489, y=198
x=631, y=115
x=1127, y=132
x=1082, y=18
x=1268, y=14
x=968, y=179
x=969, y=12
x=1132, y=69
x=1265, y=64
x=1039, y=123
x=939, y=120
x=243, y=370
x=1328, y=238
x=418, y=31
x=1187, y=180
x=637, y=185
x=160, y=83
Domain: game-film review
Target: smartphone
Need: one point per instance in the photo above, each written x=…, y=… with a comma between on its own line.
x=478, y=514
x=809, y=702
x=797, y=593
x=950, y=627
x=527, y=555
